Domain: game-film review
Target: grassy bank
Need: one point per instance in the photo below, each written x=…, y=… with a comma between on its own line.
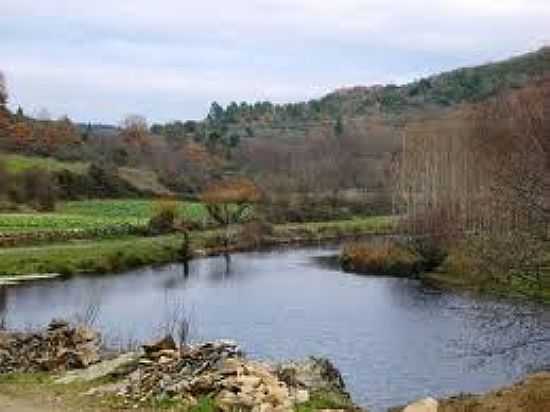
x=113, y=255
x=449, y=276
x=516, y=288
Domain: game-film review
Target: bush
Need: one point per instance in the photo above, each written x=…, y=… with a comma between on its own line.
x=37, y=188
x=479, y=260
x=255, y=232
x=164, y=218
x=380, y=258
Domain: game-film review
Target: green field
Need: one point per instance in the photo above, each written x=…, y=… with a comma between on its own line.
x=18, y=164
x=90, y=214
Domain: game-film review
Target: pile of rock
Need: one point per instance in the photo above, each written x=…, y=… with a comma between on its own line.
x=58, y=348
x=218, y=370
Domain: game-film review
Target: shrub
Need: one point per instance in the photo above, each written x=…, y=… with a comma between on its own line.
x=164, y=218
x=380, y=258
x=36, y=188
x=255, y=232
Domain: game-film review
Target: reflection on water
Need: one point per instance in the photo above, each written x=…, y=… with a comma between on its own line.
x=393, y=339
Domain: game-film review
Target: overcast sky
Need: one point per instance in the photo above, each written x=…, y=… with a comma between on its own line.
x=168, y=59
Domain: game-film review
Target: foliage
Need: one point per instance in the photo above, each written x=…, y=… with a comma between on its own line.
x=94, y=219
x=256, y=232
x=106, y=255
x=475, y=182
x=320, y=401
x=36, y=188
x=19, y=163
x=227, y=201
x=163, y=219
x=380, y=258
x=204, y=404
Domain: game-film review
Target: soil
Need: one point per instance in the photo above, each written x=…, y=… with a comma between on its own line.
x=8, y=404
x=529, y=395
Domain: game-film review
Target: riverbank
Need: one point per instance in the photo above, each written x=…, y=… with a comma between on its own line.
x=64, y=368
x=115, y=255
x=387, y=257
x=532, y=394
x=442, y=279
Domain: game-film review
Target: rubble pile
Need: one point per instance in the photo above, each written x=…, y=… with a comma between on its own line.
x=60, y=347
x=163, y=370
x=218, y=370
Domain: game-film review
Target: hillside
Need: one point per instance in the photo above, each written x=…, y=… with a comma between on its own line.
x=344, y=140
x=464, y=85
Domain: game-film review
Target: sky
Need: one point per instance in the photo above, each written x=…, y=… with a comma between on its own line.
x=101, y=60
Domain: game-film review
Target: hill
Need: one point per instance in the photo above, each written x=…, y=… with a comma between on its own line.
x=440, y=91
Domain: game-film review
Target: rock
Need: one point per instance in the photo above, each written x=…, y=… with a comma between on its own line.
x=59, y=347
x=313, y=374
x=217, y=370
x=423, y=405
x=99, y=370
x=300, y=396
x=56, y=324
x=166, y=343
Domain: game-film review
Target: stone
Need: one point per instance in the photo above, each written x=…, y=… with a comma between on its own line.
x=166, y=343
x=313, y=374
x=99, y=370
x=300, y=396
x=60, y=347
x=56, y=324
x=217, y=370
x=423, y=405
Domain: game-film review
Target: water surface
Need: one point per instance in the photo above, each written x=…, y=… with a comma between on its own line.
x=393, y=339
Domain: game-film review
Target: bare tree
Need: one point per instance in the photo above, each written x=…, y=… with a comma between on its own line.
x=480, y=172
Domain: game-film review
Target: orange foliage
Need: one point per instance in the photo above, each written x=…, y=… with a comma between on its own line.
x=199, y=155
x=236, y=190
x=22, y=134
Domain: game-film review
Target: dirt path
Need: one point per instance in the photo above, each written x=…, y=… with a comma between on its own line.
x=8, y=404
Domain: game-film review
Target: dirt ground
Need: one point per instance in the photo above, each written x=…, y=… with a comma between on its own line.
x=530, y=395
x=8, y=404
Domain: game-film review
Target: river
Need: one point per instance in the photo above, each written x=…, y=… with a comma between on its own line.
x=394, y=340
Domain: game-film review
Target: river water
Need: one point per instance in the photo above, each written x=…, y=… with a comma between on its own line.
x=394, y=340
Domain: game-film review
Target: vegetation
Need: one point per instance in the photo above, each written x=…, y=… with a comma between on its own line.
x=95, y=214
x=110, y=255
x=460, y=155
x=18, y=163
x=386, y=258
x=325, y=401
x=474, y=183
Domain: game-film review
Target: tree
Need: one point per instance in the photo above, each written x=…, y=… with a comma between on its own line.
x=473, y=181
x=216, y=114
x=339, y=127
x=228, y=201
x=3, y=92
x=136, y=138
x=5, y=122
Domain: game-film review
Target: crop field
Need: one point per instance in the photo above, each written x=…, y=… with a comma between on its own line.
x=92, y=214
x=128, y=210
